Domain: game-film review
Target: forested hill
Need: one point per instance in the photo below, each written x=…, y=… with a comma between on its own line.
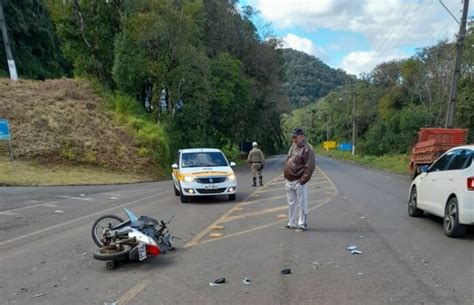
x=307, y=78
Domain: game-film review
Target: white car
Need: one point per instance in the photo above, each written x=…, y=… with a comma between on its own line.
x=203, y=172
x=446, y=189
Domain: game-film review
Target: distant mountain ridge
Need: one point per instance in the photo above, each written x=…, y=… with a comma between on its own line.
x=307, y=78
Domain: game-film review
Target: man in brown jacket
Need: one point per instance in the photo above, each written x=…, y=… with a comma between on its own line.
x=299, y=168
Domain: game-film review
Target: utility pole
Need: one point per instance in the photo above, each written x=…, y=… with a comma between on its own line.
x=353, y=124
x=6, y=43
x=457, y=67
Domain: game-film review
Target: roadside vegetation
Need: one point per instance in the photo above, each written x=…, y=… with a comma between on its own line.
x=31, y=173
x=396, y=163
x=392, y=103
x=218, y=86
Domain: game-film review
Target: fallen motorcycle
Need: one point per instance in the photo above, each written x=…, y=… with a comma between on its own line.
x=135, y=238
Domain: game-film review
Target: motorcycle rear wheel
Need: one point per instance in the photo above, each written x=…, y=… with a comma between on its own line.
x=100, y=224
x=112, y=253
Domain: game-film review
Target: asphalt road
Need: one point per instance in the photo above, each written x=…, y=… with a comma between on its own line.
x=46, y=249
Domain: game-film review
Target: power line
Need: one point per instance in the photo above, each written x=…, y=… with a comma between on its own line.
x=401, y=31
x=408, y=26
x=380, y=46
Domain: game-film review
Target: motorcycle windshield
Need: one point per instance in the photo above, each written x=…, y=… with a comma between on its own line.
x=133, y=218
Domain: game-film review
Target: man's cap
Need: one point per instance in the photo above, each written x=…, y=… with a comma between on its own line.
x=297, y=132
x=254, y=144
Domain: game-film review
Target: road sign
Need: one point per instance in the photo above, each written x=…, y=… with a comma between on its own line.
x=345, y=147
x=329, y=145
x=4, y=130
x=5, y=135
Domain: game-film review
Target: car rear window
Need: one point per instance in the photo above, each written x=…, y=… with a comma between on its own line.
x=203, y=159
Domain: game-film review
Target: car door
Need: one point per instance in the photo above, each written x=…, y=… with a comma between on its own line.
x=457, y=173
x=432, y=185
x=175, y=172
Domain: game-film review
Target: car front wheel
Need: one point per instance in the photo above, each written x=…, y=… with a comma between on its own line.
x=184, y=199
x=413, y=210
x=451, y=225
x=176, y=191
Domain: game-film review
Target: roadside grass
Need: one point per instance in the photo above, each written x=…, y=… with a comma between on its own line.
x=151, y=136
x=393, y=163
x=30, y=173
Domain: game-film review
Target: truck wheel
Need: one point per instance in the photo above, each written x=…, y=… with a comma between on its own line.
x=451, y=225
x=413, y=210
x=414, y=172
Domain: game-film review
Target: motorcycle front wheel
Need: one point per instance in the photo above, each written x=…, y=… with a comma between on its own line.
x=112, y=253
x=106, y=221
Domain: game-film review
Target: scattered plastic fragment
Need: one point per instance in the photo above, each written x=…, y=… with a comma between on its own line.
x=359, y=273
x=113, y=198
x=353, y=252
x=295, y=256
x=82, y=195
x=362, y=236
x=58, y=212
x=286, y=271
x=24, y=289
x=217, y=282
x=363, y=217
x=351, y=247
x=315, y=263
x=246, y=281
x=38, y=295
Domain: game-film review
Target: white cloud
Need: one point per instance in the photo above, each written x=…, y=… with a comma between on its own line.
x=303, y=44
x=358, y=62
x=388, y=25
x=406, y=21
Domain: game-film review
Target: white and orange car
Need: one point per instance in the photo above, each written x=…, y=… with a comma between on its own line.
x=203, y=172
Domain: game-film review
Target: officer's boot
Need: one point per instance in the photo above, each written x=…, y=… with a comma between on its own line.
x=261, y=180
x=254, y=182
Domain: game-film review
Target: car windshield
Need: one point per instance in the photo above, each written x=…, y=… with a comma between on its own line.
x=203, y=159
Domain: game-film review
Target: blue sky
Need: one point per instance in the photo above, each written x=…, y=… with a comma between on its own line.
x=355, y=35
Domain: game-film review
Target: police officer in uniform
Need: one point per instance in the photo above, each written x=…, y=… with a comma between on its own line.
x=256, y=159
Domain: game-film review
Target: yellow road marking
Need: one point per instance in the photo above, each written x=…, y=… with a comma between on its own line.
x=132, y=292
x=217, y=228
x=263, y=199
x=197, y=240
x=263, y=226
x=203, y=233
x=256, y=213
x=215, y=235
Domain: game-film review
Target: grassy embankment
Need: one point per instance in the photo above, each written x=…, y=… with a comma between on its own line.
x=31, y=173
x=393, y=163
x=66, y=132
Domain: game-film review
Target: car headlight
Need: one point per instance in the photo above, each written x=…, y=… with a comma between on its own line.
x=188, y=179
x=231, y=177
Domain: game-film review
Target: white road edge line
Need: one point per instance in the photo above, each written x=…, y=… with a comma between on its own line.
x=77, y=219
